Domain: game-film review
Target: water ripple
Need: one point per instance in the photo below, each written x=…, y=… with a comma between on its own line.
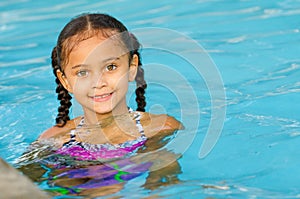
x=16, y=47
x=232, y=12
x=38, y=60
x=271, y=13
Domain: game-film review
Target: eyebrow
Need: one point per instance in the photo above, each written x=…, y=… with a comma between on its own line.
x=103, y=61
x=110, y=59
x=79, y=65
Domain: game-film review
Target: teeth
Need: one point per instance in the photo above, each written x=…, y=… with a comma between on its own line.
x=102, y=96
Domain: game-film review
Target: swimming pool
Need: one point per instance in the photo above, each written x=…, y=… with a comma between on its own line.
x=255, y=47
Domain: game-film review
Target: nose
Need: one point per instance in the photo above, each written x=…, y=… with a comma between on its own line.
x=99, y=80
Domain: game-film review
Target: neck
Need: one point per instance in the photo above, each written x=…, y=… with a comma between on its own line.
x=101, y=118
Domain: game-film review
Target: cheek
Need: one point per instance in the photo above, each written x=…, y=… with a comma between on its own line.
x=79, y=86
x=121, y=81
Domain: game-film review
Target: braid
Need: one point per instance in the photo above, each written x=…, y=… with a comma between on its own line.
x=141, y=86
x=63, y=94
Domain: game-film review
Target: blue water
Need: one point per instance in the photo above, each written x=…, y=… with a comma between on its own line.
x=255, y=46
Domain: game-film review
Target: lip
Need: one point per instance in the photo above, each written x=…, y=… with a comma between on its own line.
x=102, y=97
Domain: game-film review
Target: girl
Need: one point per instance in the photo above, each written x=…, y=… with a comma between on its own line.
x=95, y=59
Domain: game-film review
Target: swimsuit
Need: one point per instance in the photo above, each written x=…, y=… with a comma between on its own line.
x=87, y=151
x=80, y=166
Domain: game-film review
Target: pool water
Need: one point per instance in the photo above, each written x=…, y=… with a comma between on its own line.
x=255, y=46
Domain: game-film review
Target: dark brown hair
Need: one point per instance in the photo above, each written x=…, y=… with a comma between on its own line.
x=83, y=27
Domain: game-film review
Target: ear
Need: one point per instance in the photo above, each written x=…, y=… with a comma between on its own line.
x=63, y=80
x=133, y=67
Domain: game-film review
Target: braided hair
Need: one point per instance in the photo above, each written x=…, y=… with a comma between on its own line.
x=141, y=84
x=79, y=29
x=63, y=95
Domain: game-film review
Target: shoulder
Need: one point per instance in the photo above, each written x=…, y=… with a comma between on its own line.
x=56, y=131
x=154, y=123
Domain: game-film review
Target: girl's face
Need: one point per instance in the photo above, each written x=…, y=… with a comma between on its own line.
x=97, y=73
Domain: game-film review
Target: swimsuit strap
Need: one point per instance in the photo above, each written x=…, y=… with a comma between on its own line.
x=73, y=140
x=137, y=118
x=81, y=123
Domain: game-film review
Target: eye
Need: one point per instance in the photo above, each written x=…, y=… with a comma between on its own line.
x=82, y=73
x=111, y=67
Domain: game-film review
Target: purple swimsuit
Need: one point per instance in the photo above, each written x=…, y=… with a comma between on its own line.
x=87, y=151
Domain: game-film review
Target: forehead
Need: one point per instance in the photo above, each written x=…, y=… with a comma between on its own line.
x=96, y=49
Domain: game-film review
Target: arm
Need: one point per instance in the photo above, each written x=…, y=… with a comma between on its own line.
x=159, y=129
x=57, y=131
x=159, y=124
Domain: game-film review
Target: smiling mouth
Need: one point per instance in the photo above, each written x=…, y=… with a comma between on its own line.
x=102, y=98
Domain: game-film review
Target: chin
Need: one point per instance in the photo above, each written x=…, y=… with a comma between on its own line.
x=103, y=111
